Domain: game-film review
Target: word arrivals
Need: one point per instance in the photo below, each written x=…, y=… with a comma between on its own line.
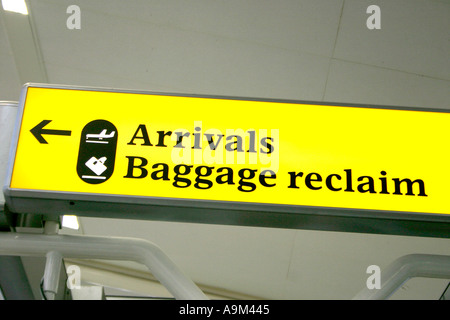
x=233, y=141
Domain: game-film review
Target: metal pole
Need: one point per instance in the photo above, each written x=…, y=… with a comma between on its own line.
x=52, y=271
x=8, y=113
x=404, y=268
x=111, y=248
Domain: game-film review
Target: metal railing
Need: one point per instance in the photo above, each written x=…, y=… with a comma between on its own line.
x=405, y=268
x=56, y=247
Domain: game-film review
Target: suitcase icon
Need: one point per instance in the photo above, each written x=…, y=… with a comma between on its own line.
x=97, y=165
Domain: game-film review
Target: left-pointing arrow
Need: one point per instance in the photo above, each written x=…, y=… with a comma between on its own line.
x=39, y=130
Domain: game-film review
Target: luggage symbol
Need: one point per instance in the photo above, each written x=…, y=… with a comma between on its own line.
x=96, y=165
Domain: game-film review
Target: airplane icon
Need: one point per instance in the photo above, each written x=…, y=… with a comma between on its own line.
x=102, y=135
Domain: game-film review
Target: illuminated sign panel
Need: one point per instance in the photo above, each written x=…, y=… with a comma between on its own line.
x=122, y=147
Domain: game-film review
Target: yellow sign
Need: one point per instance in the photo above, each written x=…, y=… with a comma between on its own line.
x=86, y=141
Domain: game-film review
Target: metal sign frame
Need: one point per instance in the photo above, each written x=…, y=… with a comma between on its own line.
x=218, y=212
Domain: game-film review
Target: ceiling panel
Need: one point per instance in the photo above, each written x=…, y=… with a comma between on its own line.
x=414, y=36
x=10, y=84
x=360, y=83
x=301, y=25
x=153, y=55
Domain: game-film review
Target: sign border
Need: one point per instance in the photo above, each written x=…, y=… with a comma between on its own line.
x=29, y=201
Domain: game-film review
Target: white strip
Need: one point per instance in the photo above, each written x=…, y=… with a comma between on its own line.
x=93, y=177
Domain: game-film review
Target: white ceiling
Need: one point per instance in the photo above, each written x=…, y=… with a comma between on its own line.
x=306, y=50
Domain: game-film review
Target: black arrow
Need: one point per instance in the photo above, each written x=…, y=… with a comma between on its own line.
x=39, y=130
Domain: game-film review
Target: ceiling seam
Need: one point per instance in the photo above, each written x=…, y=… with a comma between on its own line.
x=332, y=52
x=36, y=41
